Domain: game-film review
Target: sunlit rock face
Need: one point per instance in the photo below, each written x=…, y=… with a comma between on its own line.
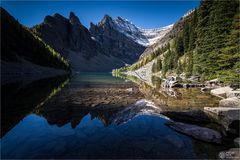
x=144, y=37
x=114, y=40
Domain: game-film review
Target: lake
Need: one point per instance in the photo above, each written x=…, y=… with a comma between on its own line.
x=91, y=115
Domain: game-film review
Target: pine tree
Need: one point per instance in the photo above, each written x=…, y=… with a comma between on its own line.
x=186, y=36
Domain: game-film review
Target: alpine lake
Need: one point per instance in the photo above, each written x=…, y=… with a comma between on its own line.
x=93, y=115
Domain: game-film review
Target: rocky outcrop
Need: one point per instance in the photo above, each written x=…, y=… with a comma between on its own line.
x=228, y=117
x=227, y=114
x=234, y=93
x=230, y=102
x=200, y=133
x=114, y=42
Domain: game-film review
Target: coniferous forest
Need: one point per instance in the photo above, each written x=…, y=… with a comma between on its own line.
x=19, y=42
x=207, y=45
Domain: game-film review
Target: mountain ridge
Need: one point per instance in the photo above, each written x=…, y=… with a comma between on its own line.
x=145, y=37
x=26, y=55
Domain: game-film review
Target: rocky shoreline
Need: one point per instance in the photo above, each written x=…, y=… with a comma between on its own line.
x=227, y=114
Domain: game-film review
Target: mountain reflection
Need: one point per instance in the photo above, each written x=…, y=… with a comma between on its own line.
x=107, y=115
x=20, y=99
x=177, y=99
x=111, y=104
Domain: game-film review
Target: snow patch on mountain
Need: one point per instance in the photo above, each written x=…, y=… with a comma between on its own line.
x=145, y=37
x=188, y=13
x=153, y=35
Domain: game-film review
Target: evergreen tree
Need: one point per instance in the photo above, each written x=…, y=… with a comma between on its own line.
x=186, y=36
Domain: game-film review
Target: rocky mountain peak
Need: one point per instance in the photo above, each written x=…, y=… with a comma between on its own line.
x=106, y=21
x=56, y=18
x=73, y=19
x=120, y=18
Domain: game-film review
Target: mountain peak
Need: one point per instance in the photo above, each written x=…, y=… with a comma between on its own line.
x=54, y=18
x=73, y=19
x=120, y=18
x=144, y=37
x=107, y=20
x=57, y=15
x=106, y=16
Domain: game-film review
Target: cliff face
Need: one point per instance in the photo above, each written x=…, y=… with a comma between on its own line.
x=101, y=49
x=114, y=41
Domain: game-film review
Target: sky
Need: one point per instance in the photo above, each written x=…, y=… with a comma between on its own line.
x=144, y=14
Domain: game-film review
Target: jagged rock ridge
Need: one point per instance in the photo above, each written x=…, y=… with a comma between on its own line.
x=144, y=37
x=101, y=48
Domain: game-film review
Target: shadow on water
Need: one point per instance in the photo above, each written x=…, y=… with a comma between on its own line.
x=19, y=99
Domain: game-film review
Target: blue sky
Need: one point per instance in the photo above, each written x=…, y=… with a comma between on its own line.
x=142, y=13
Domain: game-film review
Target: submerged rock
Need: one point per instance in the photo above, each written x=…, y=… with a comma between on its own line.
x=230, y=102
x=194, y=116
x=200, y=133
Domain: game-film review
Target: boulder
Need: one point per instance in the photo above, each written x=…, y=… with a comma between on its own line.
x=221, y=91
x=230, y=102
x=235, y=93
x=193, y=116
x=237, y=142
x=228, y=117
x=197, y=132
x=232, y=153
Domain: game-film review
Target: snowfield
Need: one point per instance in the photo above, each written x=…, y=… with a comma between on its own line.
x=145, y=37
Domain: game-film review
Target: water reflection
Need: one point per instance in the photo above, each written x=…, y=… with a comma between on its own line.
x=90, y=94
x=20, y=99
x=97, y=116
x=177, y=99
